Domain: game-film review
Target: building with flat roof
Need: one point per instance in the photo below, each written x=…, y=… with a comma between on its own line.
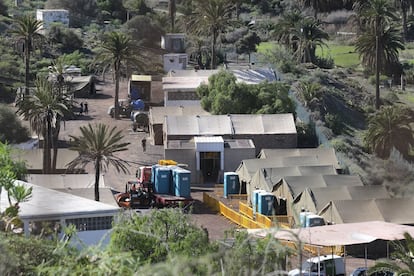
x=51, y=16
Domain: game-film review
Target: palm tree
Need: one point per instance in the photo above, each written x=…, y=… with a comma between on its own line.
x=308, y=37
x=26, y=30
x=390, y=127
x=390, y=42
x=117, y=49
x=44, y=109
x=403, y=253
x=377, y=15
x=321, y=5
x=210, y=18
x=97, y=144
x=301, y=34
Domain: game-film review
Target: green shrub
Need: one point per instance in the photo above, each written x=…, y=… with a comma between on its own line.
x=325, y=63
x=334, y=122
x=383, y=79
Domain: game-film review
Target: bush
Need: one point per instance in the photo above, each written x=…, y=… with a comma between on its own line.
x=383, y=79
x=325, y=63
x=306, y=135
x=11, y=129
x=334, y=122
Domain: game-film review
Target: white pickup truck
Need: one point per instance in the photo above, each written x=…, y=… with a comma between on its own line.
x=327, y=265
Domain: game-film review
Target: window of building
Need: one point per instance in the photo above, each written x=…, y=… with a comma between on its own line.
x=91, y=223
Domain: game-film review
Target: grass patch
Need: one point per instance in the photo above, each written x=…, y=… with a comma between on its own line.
x=409, y=98
x=263, y=47
x=343, y=55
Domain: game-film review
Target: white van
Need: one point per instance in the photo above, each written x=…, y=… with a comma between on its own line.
x=327, y=265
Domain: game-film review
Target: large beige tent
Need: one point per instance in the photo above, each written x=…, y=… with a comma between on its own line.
x=396, y=210
x=325, y=155
x=249, y=167
x=268, y=178
x=313, y=199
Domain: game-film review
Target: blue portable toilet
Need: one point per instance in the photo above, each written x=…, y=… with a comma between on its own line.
x=265, y=203
x=162, y=180
x=255, y=199
x=181, y=182
x=231, y=183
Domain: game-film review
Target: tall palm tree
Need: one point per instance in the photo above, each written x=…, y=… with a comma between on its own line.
x=403, y=253
x=26, y=30
x=389, y=44
x=210, y=18
x=97, y=144
x=390, y=128
x=322, y=5
x=377, y=14
x=302, y=34
x=172, y=9
x=117, y=49
x=44, y=110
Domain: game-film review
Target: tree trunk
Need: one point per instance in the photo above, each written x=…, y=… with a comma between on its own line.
x=117, y=77
x=46, y=147
x=27, y=65
x=213, y=50
x=97, y=175
x=172, y=11
x=55, y=141
x=377, y=67
x=404, y=21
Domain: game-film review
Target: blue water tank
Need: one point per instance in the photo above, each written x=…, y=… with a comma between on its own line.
x=181, y=182
x=231, y=183
x=265, y=203
x=162, y=180
x=255, y=199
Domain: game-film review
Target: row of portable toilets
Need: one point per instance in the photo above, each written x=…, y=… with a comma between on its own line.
x=262, y=201
x=171, y=180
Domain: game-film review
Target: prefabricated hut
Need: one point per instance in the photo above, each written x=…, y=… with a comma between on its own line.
x=157, y=116
x=199, y=141
x=92, y=219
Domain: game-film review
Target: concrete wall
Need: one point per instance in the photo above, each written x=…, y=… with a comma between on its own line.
x=184, y=156
x=271, y=141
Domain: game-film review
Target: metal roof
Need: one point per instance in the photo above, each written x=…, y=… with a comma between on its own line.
x=34, y=158
x=230, y=124
x=340, y=234
x=47, y=204
x=65, y=181
x=158, y=113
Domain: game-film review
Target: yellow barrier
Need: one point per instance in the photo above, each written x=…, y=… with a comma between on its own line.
x=245, y=210
x=237, y=196
x=244, y=219
x=230, y=213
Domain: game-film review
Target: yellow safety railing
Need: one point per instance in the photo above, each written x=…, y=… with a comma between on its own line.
x=245, y=209
x=230, y=213
x=245, y=219
x=238, y=196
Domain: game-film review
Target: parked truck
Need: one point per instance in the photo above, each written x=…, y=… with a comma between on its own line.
x=327, y=265
x=141, y=193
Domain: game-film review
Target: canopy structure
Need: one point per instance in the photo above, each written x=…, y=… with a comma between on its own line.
x=339, y=234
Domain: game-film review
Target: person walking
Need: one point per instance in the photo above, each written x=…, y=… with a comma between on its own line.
x=144, y=144
x=85, y=107
x=81, y=108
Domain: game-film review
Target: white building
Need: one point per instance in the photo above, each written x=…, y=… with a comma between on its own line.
x=53, y=16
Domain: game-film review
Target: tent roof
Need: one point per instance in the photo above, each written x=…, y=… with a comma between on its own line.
x=340, y=234
x=397, y=210
x=158, y=113
x=366, y=192
x=230, y=124
x=323, y=154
